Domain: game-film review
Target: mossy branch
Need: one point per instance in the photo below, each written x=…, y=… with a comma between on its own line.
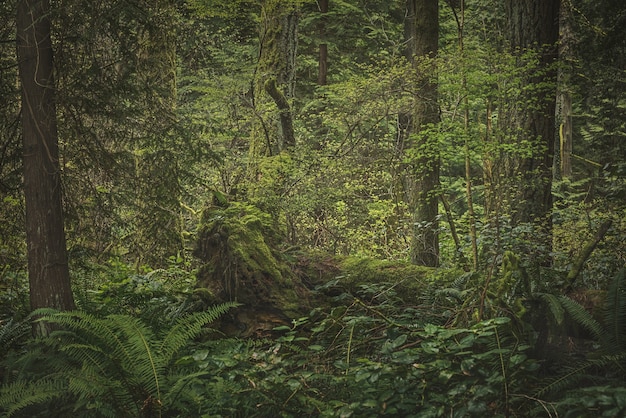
x=289, y=138
x=579, y=262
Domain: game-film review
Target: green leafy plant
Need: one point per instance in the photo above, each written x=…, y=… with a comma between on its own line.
x=156, y=296
x=113, y=366
x=368, y=356
x=605, y=364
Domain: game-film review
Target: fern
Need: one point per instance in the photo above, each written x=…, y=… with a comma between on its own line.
x=615, y=312
x=610, y=336
x=19, y=395
x=13, y=331
x=190, y=327
x=117, y=361
x=579, y=372
x=583, y=318
x=555, y=306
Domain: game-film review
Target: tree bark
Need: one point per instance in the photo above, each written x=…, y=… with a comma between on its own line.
x=533, y=26
x=422, y=33
x=566, y=42
x=47, y=254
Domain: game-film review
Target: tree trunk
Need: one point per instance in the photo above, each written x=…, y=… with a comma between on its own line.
x=533, y=25
x=566, y=42
x=47, y=254
x=275, y=79
x=422, y=33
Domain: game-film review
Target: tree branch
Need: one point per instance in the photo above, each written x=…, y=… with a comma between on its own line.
x=579, y=262
x=289, y=138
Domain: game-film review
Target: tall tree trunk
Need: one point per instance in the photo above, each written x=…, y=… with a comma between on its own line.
x=47, y=254
x=422, y=33
x=566, y=41
x=533, y=25
x=158, y=227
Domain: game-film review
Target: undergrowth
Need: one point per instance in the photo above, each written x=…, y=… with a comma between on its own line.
x=366, y=353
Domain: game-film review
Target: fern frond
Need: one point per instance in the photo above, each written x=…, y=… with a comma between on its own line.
x=117, y=345
x=189, y=327
x=580, y=315
x=452, y=292
x=13, y=331
x=87, y=384
x=21, y=394
x=146, y=365
x=462, y=281
x=176, y=389
x=554, y=305
x=615, y=312
x=98, y=331
x=577, y=373
x=91, y=356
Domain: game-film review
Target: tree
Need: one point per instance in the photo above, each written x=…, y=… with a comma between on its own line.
x=564, y=98
x=47, y=254
x=422, y=36
x=275, y=77
x=533, y=27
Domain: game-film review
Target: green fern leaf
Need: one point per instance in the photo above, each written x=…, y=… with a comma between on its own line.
x=615, y=312
x=178, y=387
x=554, y=304
x=98, y=331
x=21, y=394
x=13, y=331
x=580, y=315
x=189, y=327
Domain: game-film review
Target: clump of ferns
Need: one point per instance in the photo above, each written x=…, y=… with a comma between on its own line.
x=114, y=366
x=606, y=365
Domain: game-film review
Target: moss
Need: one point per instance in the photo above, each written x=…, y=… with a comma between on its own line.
x=409, y=280
x=350, y=273
x=238, y=244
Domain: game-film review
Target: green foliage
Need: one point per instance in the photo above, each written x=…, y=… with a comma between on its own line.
x=368, y=359
x=14, y=302
x=111, y=366
x=156, y=296
x=593, y=401
x=608, y=361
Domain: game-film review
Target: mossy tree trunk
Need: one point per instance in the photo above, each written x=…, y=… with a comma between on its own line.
x=274, y=82
x=566, y=58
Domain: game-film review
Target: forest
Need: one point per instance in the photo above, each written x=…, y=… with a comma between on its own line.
x=298, y=208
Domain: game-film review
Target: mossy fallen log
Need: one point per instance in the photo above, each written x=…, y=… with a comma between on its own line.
x=243, y=261
x=334, y=275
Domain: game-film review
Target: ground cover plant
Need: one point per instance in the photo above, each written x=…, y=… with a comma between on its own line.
x=367, y=353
